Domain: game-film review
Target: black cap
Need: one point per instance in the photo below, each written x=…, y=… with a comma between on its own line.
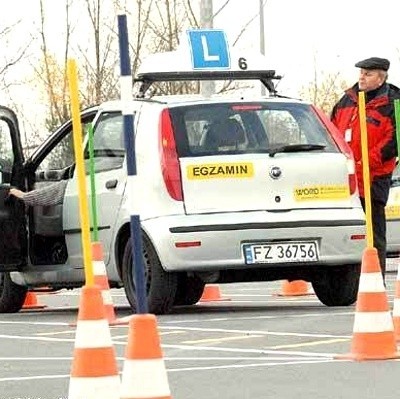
x=374, y=63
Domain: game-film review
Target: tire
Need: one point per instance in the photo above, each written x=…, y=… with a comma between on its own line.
x=189, y=290
x=12, y=296
x=337, y=286
x=160, y=285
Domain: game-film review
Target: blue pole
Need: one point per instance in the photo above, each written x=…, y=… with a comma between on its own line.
x=128, y=123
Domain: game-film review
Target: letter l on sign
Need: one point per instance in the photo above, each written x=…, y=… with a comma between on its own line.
x=206, y=53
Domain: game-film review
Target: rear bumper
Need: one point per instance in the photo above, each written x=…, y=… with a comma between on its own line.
x=393, y=236
x=223, y=235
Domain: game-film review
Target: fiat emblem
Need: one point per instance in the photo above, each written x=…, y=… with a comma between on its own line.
x=275, y=172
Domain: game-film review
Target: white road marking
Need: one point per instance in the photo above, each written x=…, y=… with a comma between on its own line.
x=187, y=369
x=249, y=350
x=269, y=317
x=35, y=323
x=314, y=343
x=256, y=332
x=221, y=339
x=30, y=338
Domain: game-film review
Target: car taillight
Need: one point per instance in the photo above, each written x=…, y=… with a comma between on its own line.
x=169, y=158
x=343, y=146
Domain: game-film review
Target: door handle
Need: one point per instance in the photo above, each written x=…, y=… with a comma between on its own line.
x=111, y=183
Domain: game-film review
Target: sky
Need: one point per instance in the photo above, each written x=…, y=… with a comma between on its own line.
x=301, y=36
x=330, y=36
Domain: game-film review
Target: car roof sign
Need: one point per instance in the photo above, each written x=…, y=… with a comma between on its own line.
x=209, y=49
x=205, y=55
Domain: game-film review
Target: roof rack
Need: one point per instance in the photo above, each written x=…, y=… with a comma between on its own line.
x=146, y=79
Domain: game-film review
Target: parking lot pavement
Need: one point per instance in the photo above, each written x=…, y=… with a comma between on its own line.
x=253, y=344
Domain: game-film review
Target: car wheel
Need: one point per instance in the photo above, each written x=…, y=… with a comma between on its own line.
x=12, y=296
x=160, y=285
x=337, y=286
x=189, y=291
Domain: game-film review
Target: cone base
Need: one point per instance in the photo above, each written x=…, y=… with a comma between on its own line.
x=34, y=307
x=360, y=357
x=296, y=294
x=118, y=322
x=213, y=300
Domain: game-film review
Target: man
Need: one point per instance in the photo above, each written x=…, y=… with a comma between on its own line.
x=381, y=132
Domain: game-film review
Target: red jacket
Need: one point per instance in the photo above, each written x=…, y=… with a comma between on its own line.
x=381, y=132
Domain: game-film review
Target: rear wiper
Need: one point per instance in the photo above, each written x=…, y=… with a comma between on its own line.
x=296, y=148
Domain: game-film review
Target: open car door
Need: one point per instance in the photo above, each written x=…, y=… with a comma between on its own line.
x=13, y=235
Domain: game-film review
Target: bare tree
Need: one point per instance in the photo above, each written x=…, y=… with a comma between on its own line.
x=7, y=62
x=99, y=57
x=51, y=73
x=326, y=92
x=325, y=89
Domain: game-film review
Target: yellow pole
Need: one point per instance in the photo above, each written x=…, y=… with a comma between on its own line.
x=80, y=169
x=365, y=163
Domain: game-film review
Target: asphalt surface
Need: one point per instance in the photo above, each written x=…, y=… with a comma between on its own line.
x=253, y=344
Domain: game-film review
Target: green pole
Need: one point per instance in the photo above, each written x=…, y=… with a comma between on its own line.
x=92, y=184
x=397, y=118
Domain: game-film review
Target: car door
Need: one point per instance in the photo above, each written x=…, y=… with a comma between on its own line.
x=13, y=236
x=110, y=180
x=53, y=161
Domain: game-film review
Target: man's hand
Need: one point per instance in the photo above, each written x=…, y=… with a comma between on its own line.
x=16, y=193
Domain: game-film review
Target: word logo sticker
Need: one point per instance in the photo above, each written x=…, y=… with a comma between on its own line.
x=321, y=193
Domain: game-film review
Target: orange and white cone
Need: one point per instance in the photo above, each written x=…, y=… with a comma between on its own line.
x=396, y=305
x=94, y=372
x=212, y=293
x=294, y=288
x=144, y=374
x=101, y=279
x=373, y=331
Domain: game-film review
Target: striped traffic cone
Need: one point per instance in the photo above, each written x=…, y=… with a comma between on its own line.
x=144, y=374
x=396, y=305
x=373, y=331
x=94, y=373
x=101, y=279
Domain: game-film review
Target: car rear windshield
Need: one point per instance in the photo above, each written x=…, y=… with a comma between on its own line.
x=245, y=128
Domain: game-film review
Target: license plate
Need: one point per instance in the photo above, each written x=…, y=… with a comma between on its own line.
x=281, y=252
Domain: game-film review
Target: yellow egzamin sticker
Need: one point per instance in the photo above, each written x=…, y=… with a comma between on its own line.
x=220, y=170
x=392, y=212
x=320, y=193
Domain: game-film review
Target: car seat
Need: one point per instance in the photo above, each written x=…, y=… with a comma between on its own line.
x=225, y=135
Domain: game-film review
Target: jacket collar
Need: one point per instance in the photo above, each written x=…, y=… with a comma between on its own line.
x=379, y=96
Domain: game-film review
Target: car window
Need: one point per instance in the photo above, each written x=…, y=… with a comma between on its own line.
x=246, y=128
x=108, y=142
x=62, y=155
x=6, y=153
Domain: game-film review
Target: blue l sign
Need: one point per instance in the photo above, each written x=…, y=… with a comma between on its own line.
x=209, y=49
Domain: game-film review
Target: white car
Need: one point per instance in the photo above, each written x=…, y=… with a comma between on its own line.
x=228, y=188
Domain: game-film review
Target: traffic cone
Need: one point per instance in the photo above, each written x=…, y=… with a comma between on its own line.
x=373, y=331
x=144, y=374
x=294, y=288
x=31, y=302
x=396, y=306
x=101, y=279
x=94, y=372
x=212, y=293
